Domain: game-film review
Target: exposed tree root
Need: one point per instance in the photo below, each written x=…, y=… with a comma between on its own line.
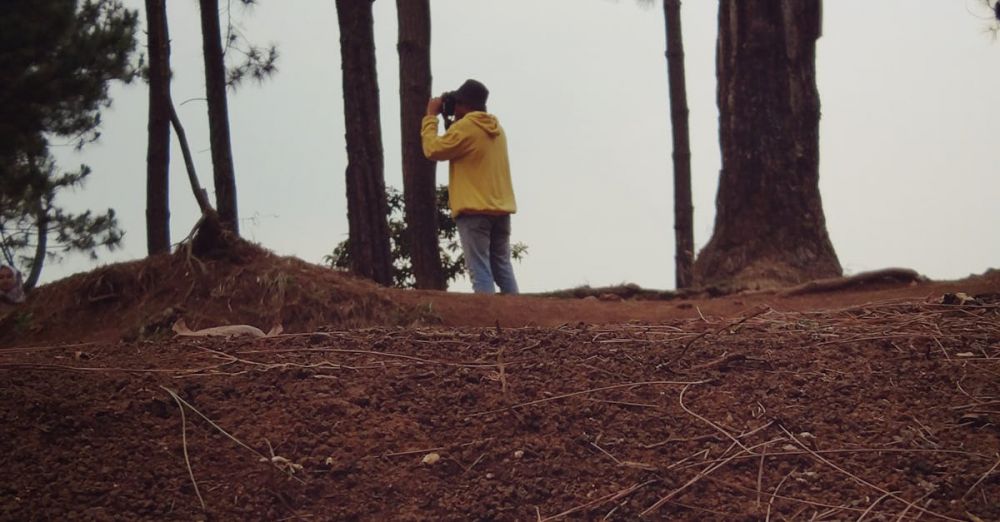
x=886, y=275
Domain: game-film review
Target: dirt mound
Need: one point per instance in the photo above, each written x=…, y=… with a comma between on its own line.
x=142, y=299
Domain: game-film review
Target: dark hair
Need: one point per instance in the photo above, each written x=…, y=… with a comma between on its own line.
x=474, y=94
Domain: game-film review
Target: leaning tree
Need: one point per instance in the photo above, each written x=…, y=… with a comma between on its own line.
x=769, y=227
x=220, y=73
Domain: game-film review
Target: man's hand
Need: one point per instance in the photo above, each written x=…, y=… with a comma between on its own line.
x=434, y=106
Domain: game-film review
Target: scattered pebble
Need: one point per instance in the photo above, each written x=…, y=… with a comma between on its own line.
x=430, y=459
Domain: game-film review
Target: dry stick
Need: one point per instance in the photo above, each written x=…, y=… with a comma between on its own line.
x=439, y=448
x=687, y=346
x=226, y=433
x=502, y=371
x=34, y=366
x=656, y=505
x=760, y=474
x=685, y=439
x=907, y=508
x=982, y=478
x=774, y=493
x=611, y=497
x=700, y=476
x=703, y=452
x=680, y=399
x=861, y=480
x=370, y=352
x=584, y=392
x=941, y=346
x=187, y=460
x=17, y=349
x=604, y=451
x=782, y=497
x=873, y=504
x=868, y=450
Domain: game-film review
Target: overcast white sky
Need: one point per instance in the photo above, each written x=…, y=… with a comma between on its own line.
x=910, y=170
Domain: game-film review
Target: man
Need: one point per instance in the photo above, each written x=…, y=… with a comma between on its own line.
x=480, y=192
x=11, y=287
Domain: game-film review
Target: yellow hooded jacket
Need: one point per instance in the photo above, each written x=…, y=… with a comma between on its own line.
x=479, y=172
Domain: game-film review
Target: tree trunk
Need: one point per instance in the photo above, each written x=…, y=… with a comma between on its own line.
x=41, y=246
x=367, y=209
x=769, y=227
x=158, y=148
x=683, y=209
x=200, y=195
x=419, y=185
x=218, y=116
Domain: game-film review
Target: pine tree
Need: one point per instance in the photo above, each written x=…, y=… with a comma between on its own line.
x=769, y=227
x=418, y=172
x=367, y=208
x=57, y=59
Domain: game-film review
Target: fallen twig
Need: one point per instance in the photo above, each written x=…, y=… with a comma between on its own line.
x=863, y=481
x=611, y=497
x=982, y=478
x=187, y=459
x=227, y=434
x=584, y=392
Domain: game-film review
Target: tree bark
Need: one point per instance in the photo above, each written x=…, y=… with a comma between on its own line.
x=770, y=229
x=419, y=184
x=158, y=147
x=218, y=116
x=683, y=208
x=367, y=209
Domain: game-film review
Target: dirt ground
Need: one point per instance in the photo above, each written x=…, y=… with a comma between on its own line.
x=873, y=403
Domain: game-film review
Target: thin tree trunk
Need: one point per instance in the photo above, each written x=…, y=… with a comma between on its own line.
x=683, y=209
x=419, y=185
x=41, y=247
x=199, y=193
x=769, y=229
x=158, y=148
x=218, y=116
x=367, y=209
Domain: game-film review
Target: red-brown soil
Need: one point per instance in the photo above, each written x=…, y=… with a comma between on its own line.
x=873, y=403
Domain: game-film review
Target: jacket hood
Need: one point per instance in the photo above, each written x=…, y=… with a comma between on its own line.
x=486, y=121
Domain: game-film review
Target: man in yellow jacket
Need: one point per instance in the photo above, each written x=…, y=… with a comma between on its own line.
x=480, y=192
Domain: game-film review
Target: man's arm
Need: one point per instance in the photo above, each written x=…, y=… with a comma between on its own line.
x=450, y=145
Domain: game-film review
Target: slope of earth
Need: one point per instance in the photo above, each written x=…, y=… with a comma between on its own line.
x=884, y=408
x=142, y=299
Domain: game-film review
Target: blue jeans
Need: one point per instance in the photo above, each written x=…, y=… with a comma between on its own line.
x=486, y=244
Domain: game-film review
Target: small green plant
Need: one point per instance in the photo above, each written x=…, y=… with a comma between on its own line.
x=452, y=259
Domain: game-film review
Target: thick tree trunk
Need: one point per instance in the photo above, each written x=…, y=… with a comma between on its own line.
x=419, y=190
x=158, y=147
x=683, y=209
x=769, y=227
x=218, y=116
x=367, y=209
